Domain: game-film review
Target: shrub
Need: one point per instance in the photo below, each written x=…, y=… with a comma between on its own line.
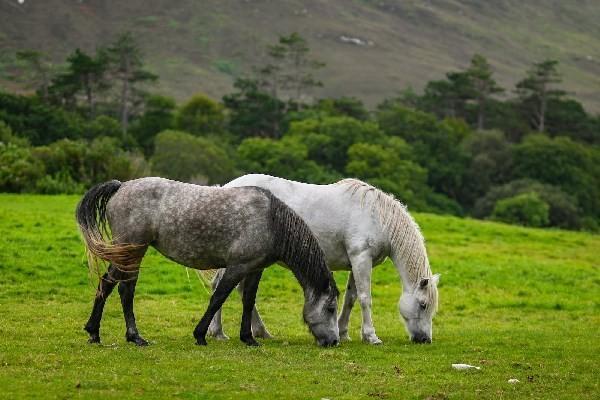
x=524, y=209
x=184, y=157
x=57, y=184
x=18, y=168
x=201, y=116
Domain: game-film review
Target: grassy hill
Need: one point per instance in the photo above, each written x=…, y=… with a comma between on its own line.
x=202, y=46
x=520, y=303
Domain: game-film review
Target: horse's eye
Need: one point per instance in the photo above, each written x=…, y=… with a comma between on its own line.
x=331, y=310
x=423, y=305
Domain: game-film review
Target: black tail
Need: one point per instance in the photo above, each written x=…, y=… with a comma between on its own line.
x=298, y=248
x=91, y=217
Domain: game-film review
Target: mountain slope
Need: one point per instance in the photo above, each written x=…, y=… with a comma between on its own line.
x=372, y=49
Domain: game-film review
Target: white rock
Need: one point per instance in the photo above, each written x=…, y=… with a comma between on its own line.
x=513, y=381
x=464, y=366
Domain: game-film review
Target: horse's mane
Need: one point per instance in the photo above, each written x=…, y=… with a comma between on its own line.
x=404, y=233
x=298, y=248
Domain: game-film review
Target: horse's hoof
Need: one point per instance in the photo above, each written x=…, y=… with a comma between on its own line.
x=263, y=334
x=201, y=342
x=218, y=335
x=373, y=339
x=138, y=340
x=345, y=337
x=94, y=339
x=251, y=342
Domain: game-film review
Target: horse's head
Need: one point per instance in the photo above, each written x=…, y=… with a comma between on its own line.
x=417, y=307
x=320, y=316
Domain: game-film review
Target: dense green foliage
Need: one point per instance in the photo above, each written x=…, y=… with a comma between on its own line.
x=520, y=303
x=455, y=149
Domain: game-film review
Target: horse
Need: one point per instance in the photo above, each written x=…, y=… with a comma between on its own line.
x=357, y=226
x=242, y=230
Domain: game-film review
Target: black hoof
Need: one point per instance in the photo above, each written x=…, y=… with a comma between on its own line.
x=201, y=342
x=138, y=340
x=94, y=335
x=250, y=341
x=94, y=339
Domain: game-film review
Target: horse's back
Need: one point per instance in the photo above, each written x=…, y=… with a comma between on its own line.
x=339, y=220
x=197, y=226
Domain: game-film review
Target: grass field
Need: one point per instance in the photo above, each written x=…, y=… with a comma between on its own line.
x=520, y=303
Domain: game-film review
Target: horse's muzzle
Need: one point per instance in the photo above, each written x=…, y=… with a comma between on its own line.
x=328, y=342
x=421, y=338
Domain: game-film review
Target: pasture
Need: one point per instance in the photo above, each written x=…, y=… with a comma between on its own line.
x=520, y=303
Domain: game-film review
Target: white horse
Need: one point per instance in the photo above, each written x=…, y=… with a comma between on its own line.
x=358, y=226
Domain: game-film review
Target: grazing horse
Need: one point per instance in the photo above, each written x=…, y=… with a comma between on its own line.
x=358, y=226
x=242, y=230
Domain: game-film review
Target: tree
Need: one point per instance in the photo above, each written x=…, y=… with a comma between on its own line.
x=389, y=167
x=449, y=97
x=184, y=157
x=158, y=116
x=41, y=123
x=290, y=71
x=254, y=112
x=483, y=85
x=329, y=138
x=40, y=70
x=127, y=67
x=490, y=164
x=201, y=116
x=436, y=144
x=562, y=162
x=86, y=74
x=286, y=158
x=343, y=106
x=537, y=89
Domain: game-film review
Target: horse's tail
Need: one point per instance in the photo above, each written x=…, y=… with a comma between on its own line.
x=93, y=224
x=298, y=248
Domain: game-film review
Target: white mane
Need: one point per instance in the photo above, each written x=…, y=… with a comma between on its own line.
x=404, y=233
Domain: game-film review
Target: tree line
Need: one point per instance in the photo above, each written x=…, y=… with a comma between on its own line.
x=463, y=146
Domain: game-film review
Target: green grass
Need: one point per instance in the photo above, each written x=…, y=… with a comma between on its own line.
x=520, y=303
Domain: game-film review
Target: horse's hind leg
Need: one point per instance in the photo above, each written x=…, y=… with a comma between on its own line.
x=105, y=288
x=249, y=298
x=127, y=292
x=215, y=328
x=230, y=279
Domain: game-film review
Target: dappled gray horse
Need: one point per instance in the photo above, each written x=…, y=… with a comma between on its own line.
x=242, y=230
x=358, y=226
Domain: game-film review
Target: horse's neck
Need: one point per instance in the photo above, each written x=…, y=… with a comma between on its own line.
x=409, y=280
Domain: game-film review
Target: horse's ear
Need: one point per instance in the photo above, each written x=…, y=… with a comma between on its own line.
x=435, y=279
x=423, y=283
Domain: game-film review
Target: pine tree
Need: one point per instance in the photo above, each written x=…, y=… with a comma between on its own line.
x=40, y=70
x=127, y=67
x=85, y=74
x=536, y=90
x=482, y=84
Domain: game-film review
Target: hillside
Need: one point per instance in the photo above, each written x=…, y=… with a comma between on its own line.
x=372, y=48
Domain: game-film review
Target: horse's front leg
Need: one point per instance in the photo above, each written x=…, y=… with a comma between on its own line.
x=249, y=298
x=362, y=266
x=349, y=299
x=127, y=293
x=231, y=278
